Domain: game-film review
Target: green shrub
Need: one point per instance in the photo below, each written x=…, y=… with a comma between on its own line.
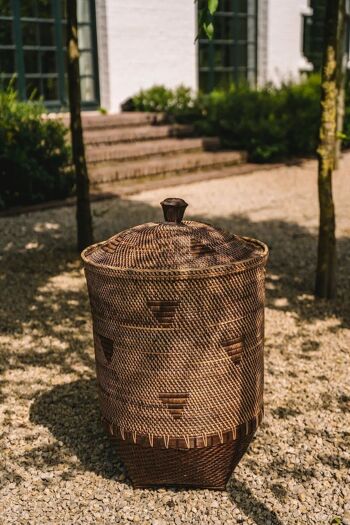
x=34, y=156
x=178, y=103
x=270, y=123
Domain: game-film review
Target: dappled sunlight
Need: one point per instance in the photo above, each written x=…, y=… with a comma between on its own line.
x=49, y=408
x=74, y=282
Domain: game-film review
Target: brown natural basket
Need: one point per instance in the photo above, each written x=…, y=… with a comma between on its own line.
x=178, y=322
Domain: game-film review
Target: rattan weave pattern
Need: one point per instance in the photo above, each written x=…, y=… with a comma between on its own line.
x=178, y=322
x=171, y=246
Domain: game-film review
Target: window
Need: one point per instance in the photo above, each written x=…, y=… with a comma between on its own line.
x=33, y=48
x=230, y=57
x=313, y=32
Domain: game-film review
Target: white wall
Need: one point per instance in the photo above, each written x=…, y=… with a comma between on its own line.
x=145, y=42
x=102, y=50
x=284, y=39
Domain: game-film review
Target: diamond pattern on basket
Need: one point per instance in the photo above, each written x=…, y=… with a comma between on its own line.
x=198, y=249
x=175, y=402
x=234, y=349
x=164, y=311
x=107, y=347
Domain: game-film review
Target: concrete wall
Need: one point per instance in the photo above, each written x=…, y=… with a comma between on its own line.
x=142, y=43
x=284, y=58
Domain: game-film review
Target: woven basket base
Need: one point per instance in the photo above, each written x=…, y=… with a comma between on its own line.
x=209, y=467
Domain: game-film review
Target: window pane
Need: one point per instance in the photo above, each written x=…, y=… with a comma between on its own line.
x=240, y=6
x=48, y=62
x=87, y=89
x=223, y=79
x=83, y=11
x=44, y=8
x=84, y=37
x=241, y=55
x=33, y=88
x=204, y=81
x=222, y=54
x=31, y=64
x=86, y=63
x=63, y=9
x=5, y=8
x=28, y=8
x=29, y=33
x=224, y=27
x=241, y=29
x=47, y=34
x=203, y=55
x=64, y=34
x=225, y=5
x=5, y=32
x=7, y=61
x=50, y=91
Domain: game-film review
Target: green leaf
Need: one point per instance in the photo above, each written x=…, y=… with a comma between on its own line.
x=209, y=30
x=212, y=6
x=336, y=520
x=341, y=135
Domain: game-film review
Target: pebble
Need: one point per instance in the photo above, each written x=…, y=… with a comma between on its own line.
x=346, y=517
x=58, y=467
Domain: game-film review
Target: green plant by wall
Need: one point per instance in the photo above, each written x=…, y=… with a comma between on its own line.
x=34, y=156
x=271, y=123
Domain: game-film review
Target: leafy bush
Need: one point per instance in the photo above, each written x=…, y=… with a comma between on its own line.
x=178, y=102
x=34, y=156
x=270, y=123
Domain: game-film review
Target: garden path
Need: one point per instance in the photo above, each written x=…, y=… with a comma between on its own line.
x=57, y=466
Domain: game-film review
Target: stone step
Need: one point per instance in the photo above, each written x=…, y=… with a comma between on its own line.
x=118, y=120
x=143, y=149
x=97, y=121
x=137, y=133
x=158, y=165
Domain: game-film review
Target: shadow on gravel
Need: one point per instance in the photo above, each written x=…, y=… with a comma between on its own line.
x=245, y=500
x=43, y=290
x=70, y=412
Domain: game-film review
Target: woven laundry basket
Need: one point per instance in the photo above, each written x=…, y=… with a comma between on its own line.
x=178, y=323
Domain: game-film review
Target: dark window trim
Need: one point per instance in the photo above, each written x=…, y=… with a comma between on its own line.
x=59, y=48
x=233, y=44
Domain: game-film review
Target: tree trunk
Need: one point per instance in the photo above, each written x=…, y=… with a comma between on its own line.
x=83, y=212
x=326, y=262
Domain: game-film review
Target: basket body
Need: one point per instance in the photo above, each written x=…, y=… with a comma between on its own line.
x=179, y=362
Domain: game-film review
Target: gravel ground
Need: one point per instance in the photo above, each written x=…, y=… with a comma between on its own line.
x=57, y=466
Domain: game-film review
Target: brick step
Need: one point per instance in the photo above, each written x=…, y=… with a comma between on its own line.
x=158, y=165
x=117, y=120
x=144, y=149
x=140, y=133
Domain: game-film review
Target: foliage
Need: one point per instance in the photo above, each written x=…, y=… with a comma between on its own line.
x=178, y=103
x=207, y=9
x=270, y=123
x=34, y=157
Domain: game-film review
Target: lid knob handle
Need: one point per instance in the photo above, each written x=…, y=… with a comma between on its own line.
x=173, y=209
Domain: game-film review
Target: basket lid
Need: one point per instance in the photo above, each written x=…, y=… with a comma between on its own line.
x=173, y=245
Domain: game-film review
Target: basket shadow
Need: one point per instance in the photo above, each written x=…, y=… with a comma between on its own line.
x=70, y=412
x=250, y=505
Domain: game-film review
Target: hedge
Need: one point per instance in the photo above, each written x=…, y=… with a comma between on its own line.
x=271, y=123
x=34, y=156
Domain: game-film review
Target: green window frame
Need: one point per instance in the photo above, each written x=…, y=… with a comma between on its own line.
x=313, y=32
x=231, y=56
x=33, y=50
